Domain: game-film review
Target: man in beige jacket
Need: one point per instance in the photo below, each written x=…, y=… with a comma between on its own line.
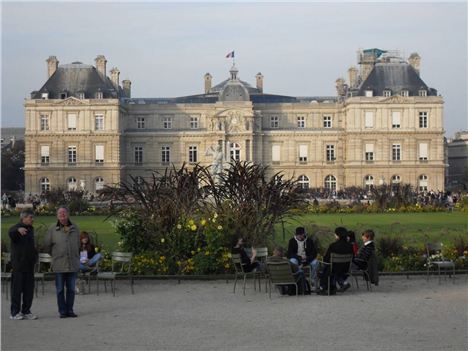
x=63, y=243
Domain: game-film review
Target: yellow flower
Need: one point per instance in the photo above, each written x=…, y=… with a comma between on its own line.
x=214, y=220
x=215, y=215
x=220, y=227
x=191, y=222
x=179, y=226
x=207, y=253
x=203, y=222
x=163, y=240
x=199, y=249
x=193, y=227
x=192, y=252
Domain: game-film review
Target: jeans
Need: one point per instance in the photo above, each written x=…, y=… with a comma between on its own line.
x=22, y=286
x=92, y=262
x=66, y=300
x=313, y=267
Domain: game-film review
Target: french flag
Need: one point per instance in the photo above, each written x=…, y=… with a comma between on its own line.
x=231, y=54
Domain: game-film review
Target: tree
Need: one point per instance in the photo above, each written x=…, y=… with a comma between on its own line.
x=13, y=166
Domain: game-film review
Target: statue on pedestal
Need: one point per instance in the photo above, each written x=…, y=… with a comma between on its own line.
x=218, y=159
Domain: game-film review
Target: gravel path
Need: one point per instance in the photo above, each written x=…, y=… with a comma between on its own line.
x=400, y=314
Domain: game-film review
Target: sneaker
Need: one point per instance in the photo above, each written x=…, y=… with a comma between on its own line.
x=29, y=316
x=17, y=317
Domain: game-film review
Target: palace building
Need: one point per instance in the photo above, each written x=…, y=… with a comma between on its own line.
x=385, y=125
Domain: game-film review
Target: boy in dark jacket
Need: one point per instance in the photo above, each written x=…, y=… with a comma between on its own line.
x=23, y=259
x=302, y=251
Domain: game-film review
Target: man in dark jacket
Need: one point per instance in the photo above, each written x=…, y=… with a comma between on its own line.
x=302, y=251
x=340, y=270
x=23, y=259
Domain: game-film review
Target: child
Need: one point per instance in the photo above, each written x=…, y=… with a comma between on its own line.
x=352, y=241
x=88, y=255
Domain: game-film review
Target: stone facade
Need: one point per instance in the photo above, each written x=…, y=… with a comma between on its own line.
x=86, y=136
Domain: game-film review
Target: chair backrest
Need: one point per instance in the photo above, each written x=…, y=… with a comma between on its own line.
x=237, y=263
x=432, y=248
x=6, y=258
x=341, y=260
x=248, y=251
x=44, y=260
x=262, y=254
x=280, y=272
x=123, y=260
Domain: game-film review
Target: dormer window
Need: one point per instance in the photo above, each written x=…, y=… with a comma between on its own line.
x=63, y=95
x=81, y=95
x=45, y=96
x=387, y=93
x=423, y=93
x=98, y=95
x=369, y=93
x=404, y=93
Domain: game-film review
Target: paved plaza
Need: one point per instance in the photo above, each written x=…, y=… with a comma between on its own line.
x=400, y=314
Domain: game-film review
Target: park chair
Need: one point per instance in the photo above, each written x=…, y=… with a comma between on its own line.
x=43, y=267
x=280, y=274
x=435, y=258
x=239, y=271
x=262, y=256
x=370, y=274
x=121, y=269
x=86, y=276
x=6, y=275
x=335, y=260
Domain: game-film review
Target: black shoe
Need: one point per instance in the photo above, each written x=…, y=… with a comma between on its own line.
x=63, y=316
x=345, y=287
x=325, y=292
x=72, y=314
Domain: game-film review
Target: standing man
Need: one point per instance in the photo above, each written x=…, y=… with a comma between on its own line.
x=63, y=243
x=23, y=259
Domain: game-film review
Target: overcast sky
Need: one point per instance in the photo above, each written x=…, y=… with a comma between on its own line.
x=165, y=49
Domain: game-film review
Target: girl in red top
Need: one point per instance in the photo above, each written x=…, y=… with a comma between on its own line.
x=352, y=241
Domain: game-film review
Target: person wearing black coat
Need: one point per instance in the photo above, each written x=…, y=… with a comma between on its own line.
x=302, y=251
x=23, y=258
x=340, y=270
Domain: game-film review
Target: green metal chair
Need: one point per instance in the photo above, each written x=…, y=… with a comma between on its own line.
x=435, y=258
x=121, y=269
x=43, y=267
x=280, y=274
x=6, y=276
x=334, y=260
x=239, y=272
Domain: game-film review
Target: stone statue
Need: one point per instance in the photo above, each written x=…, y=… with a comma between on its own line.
x=218, y=158
x=82, y=184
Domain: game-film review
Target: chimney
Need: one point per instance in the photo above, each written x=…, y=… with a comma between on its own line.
x=352, y=73
x=415, y=61
x=259, y=79
x=340, y=87
x=101, y=64
x=52, y=65
x=207, y=83
x=115, y=73
x=127, y=87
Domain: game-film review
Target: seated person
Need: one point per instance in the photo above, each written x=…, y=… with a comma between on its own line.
x=302, y=251
x=88, y=255
x=366, y=251
x=249, y=264
x=278, y=256
x=352, y=241
x=340, y=246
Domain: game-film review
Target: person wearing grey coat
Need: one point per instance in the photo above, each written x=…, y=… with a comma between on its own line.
x=63, y=243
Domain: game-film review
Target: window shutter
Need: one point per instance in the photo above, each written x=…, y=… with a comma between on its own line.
x=276, y=153
x=369, y=147
x=303, y=150
x=423, y=150
x=72, y=121
x=369, y=119
x=396, y=118
x=99, y=152
x=45, y=150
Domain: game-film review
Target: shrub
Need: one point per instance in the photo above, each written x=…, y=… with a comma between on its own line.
x=390, y=246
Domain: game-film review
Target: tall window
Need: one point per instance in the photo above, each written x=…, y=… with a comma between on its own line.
x=167, y=122
x=369, y=153
x=396, y=152
x=330, y=153
x=165, y=154
x=396, y=120
x=303, y=182
x=140, y=122
x=193, y=157
x=422, y=119
x=45, y=184
x=45, y=156
x=234, y=151
x=99, y=183
x=369, y=119
x=301, y=123
x=72, y=155
x=274, y=121
x=327, y=122
x=330, y=182
x=44, y=122
x=99, y=154
x=423, y=152
x=71, y=121
x=71, y=183
x=368, y=182
x=423, y=182
x=275, y=153
x=303, y=153
x=138, y=155
x=99, y=122
x=194, y=123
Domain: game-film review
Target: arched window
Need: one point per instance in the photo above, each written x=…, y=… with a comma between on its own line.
x=330, y=182
x=45, y=184
x=71, y=183
x=99, y=183
x=396, y=179
x=368, y=182
x=423, y=182
x=303, y=182
x=235, y=151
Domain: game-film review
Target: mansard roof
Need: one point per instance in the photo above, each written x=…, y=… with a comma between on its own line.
x=77, y=78
x=219, y=87
x=394, y=76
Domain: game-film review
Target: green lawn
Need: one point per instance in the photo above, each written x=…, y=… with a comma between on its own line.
x=411, y=227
